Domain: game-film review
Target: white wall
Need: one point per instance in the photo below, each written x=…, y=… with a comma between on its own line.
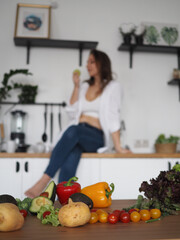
x=150, y=105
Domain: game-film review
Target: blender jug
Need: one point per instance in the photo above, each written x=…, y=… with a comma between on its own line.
x=18, y=122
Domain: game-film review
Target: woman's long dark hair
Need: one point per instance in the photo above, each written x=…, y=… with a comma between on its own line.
x=104, y=66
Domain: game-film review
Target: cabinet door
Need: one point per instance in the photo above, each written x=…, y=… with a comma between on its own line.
x=11, y=177
x=88, y=171
x=33, y=169
x=128, y=174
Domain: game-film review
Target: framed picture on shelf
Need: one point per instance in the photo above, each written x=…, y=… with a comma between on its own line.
x=32, y=21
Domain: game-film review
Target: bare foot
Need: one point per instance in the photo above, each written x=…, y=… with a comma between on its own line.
x=38, y=188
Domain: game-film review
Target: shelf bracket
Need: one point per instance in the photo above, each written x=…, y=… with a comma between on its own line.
x=130, y=56
x=80, y=54
x=28, y=52
x=178, y=55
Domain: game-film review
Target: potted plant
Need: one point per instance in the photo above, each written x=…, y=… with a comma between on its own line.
x=28, y=92
x=166, y=145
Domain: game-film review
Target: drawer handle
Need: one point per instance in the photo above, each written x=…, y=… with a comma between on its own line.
x=17, y=166
x=26, y=167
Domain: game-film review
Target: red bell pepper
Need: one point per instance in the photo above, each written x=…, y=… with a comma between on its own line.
x=65, y=189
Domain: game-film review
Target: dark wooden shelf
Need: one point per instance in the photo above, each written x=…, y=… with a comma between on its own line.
x=150, y=48
x=54, y=43
x=175, y=81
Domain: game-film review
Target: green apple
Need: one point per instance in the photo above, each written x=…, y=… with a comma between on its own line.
x=77, y=71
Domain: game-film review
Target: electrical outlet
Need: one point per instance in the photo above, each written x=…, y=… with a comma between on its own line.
x=145, y=143
x=137, y=143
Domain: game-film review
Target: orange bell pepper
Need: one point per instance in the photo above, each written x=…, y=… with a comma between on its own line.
x=100, y=193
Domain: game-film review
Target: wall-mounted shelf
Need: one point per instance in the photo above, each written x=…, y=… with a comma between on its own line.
x=63, y=104
x=175, y=82
x=149, y=48
x=53, y=43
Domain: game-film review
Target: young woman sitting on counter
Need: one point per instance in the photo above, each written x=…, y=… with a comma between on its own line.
x=94, y=110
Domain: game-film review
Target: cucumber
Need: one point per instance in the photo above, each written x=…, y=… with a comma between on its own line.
x=37, y=202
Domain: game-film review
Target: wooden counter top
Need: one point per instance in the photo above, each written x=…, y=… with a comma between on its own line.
x=168, y=229
x=94, y=155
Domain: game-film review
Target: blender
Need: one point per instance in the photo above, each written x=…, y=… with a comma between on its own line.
x=18, y=122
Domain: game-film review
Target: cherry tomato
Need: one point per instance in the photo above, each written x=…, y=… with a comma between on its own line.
x=94, y=217
x=125, y=217
x=132, y=210
x=46, y=214
x=117, y=212
x=113, y=218
x=93, y=210
x=103, y=217
x=99, y=211
x=137, y=209
x=155, y=213
x=44, y=194
x=145, y=214
x=23, y=212
x=135, y=216
x=122, y=211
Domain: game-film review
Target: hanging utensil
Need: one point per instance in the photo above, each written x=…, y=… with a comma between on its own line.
x=59, y=118
x=51, y=124
x=44, y=136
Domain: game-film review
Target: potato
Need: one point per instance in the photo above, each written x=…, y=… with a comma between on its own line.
x=74, y=214
x=10, y=217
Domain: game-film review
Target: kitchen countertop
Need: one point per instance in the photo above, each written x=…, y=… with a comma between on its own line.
x=168, y=229
x=94, y=155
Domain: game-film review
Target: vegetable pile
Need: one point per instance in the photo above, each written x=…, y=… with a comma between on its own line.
x=161, y=198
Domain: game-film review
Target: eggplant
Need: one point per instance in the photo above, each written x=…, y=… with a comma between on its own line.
x=81, y=197
x=6, y=198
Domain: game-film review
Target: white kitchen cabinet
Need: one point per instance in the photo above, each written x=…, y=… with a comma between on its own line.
x=127, y=174
x=88, y=171
x=32, y=170
x=10, y=177
x=17, y=175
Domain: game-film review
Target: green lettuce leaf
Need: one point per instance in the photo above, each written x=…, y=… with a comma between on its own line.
x=52, y=218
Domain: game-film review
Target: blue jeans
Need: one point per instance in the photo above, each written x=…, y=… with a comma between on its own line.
x=67, y=152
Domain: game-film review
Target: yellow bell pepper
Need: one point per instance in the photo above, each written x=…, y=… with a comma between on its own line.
x=100, y=193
